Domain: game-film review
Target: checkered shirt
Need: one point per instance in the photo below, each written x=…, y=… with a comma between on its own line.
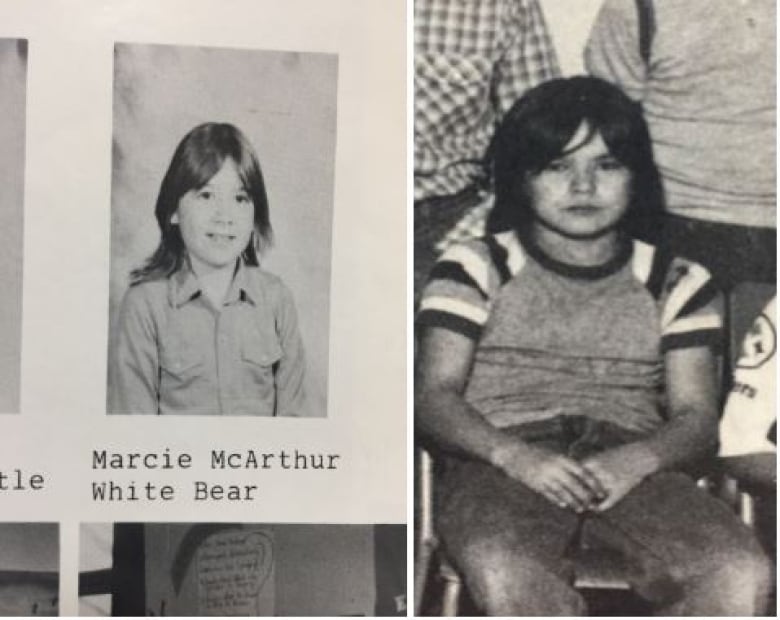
x=473, y=59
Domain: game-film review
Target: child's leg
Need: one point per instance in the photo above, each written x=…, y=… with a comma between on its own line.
x=507, y=541
x=693, y=556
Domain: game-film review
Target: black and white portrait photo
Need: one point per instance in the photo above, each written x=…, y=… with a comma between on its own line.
x=203, y=218
x=13, y=80
x=221, y=211
x=595, y=272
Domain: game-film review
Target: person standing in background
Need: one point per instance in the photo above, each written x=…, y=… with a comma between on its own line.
x=472, y=60
x=704, y=71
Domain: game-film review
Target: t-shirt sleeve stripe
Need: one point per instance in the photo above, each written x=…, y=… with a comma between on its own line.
x=458, y=324
x=458, y=294
x=692, y=312
x=686, y=280
x=456, y=307
x=701, y=338
x=660, y=265
x=695, y=323
x=643, y=261
x=514, y=251
x=472, y=262
x=454, y=272
x=499, y=256
x=704, y=296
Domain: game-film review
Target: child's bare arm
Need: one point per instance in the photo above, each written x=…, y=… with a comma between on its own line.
x=690, y=433
x=444, y=364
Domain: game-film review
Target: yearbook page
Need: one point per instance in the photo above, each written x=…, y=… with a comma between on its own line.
x=203, y=308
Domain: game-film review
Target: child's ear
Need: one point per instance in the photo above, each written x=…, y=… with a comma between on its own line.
x=175, y=217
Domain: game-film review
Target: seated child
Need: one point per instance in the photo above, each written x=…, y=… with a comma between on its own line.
x=202, y=329
x=567, y=371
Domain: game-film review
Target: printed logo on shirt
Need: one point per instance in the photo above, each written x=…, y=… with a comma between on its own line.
x=759, y=344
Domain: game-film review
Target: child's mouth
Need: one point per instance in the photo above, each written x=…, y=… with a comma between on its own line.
x=582, y=209
x=220, y=238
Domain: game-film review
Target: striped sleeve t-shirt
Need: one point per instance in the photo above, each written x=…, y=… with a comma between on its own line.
x=556, y=339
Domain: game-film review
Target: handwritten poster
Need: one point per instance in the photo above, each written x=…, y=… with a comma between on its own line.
x=235, y=574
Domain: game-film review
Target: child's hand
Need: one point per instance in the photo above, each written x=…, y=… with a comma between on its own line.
x=560, y=479
x=618, y=470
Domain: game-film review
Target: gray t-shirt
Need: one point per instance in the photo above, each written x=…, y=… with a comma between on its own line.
x=553, y=339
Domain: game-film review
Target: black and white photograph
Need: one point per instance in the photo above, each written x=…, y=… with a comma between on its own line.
x=594, y=283
x=221, y=216
x=204, y=216
x=13, y=87
x=29, y=569
x=230, y=569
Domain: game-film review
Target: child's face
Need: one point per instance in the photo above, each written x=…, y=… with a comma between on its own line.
x=216, y=221
x=584, y=193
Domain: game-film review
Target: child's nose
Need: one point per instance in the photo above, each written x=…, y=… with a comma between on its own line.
x=222, y=212
x=583, y=181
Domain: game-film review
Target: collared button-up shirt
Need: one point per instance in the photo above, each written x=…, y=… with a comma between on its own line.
x=472, y=60
x=176, y=353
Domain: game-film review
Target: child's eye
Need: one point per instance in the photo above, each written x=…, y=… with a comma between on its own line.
x=557, y=165
x=205, y=194
x=242, y=198
x=609, y=164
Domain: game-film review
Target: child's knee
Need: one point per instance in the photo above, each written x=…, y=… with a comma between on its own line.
x=747, y=573
x=505, y=581
x=738, y=580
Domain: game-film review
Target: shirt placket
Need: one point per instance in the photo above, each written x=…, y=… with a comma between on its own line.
x=226, y=356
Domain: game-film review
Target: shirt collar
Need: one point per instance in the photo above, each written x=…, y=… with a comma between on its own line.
x=625, y=249
x=183, y=286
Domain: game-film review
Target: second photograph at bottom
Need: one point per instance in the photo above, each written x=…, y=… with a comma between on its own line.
x=232, y=569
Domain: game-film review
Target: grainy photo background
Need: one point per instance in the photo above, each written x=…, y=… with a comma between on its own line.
x=285, y=103
x=13, y=81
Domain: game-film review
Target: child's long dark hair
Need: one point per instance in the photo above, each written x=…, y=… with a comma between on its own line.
x=536, y=131
x=199, y=156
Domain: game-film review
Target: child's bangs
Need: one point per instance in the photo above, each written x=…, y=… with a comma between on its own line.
x=592, y=131
x=550, y=134
x=248, y=175
x=202, y=167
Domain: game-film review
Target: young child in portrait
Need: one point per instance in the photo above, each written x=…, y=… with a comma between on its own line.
x=202, y=328
x=567, y=374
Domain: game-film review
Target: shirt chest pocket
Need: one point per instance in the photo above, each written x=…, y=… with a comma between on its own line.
x=180, y=365
x=184, y=378
x=260, y=358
